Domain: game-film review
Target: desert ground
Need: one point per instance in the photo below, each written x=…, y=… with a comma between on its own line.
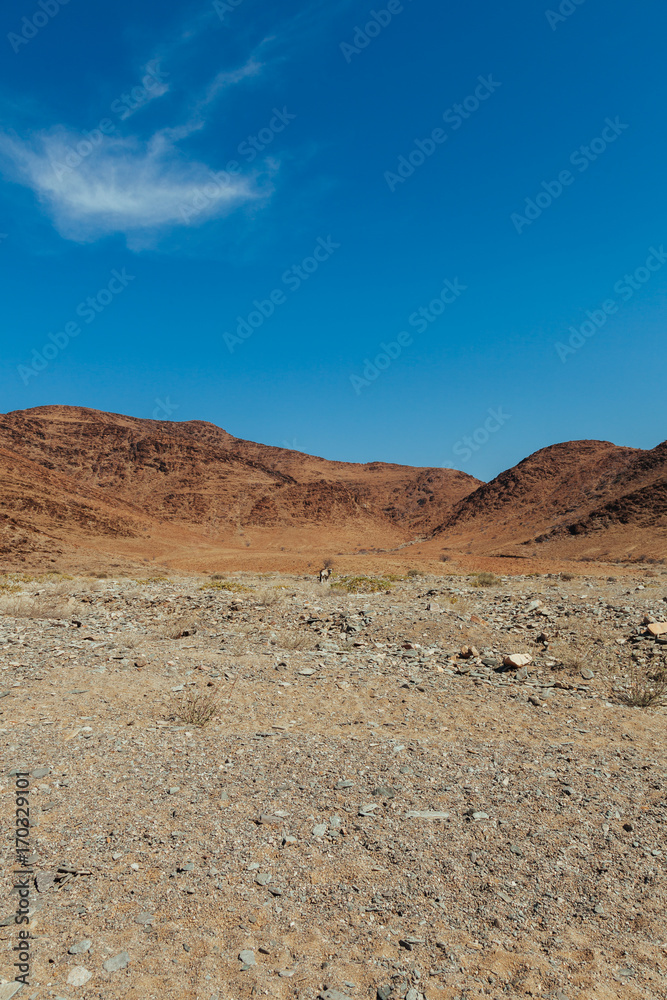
x=248, y=785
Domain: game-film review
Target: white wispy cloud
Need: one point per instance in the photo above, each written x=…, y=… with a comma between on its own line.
x=123, y=185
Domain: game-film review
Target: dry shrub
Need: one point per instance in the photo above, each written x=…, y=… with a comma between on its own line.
x=363, y=584
x=177, y=625
x=484, y=580
x=230, y=585
x=295, y=641
x=195, y=706
x=39, y=607
x=647, y=688
x=268, y=596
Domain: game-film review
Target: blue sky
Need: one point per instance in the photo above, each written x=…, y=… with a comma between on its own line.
x=248, y=213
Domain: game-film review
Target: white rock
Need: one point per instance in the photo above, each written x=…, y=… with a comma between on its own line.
x=517, y=660
x=79, y=976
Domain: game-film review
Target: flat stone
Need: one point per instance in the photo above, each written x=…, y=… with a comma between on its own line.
x=587, y=674
x=247, y=957
x=44, y=881
x=118, y=961
x=41, y=772
x=319, y=830
x=657, y=628
x=81, y=947
x=145, y=918
x=79, y=976
x=516, y=660
x=425, y=814
x=9, y=990
x=264, y=878
x=333, y=995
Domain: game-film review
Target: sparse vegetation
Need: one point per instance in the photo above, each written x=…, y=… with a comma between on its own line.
x=195, y=706
x=230, y=585
x=646, y=689
x=40, y=606
x=363, y=584
x=294, y=641
x=484, y=580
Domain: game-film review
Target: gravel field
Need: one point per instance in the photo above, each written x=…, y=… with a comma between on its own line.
x=377, y=804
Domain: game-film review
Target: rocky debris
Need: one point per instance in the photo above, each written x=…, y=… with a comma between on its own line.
x=383, y=811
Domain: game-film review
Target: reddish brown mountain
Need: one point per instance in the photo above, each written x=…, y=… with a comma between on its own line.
x=582, y=497
x=80, y=485
x=79, y=477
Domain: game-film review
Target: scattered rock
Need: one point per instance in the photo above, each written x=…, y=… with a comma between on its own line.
x=81, y=947
x=516, y=660
x=79, y=976
x=116, y=963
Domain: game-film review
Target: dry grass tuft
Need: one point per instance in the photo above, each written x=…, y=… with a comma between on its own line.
x=195, y=706
x=230, y=585
x=269, y=596
x=646, y=689
x=484, y=580
x=40, y=607
x=295, y=640
x=363, y=584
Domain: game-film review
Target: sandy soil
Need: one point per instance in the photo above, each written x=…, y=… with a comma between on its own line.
x=369, y=812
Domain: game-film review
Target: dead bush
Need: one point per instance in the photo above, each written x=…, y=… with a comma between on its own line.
x=42, y=606
x=195, y=706
x=646, y=688
x=295, y=641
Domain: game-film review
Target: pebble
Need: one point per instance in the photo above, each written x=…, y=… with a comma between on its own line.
x=118, y=961
x=247, y=957
x=79, y=976
x=319, y=830
x=81, y=947
x=145, y=918
x=425, y=814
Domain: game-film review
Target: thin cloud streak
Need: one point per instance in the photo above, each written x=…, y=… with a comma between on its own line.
x=123, y=186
